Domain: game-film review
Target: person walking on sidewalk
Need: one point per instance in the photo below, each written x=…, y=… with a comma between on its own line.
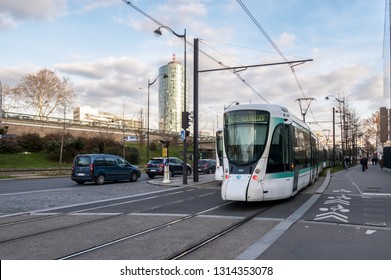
x=364, y=163
x=381, y=163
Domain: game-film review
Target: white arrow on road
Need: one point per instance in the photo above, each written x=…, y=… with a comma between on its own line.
x=334, y=215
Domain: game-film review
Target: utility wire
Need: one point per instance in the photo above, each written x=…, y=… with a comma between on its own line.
x=275, y=47
x=201, y=51
x=235, y=72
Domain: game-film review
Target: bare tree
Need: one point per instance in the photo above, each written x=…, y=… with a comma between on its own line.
x=44, y=92
x=369, y=133
x=10, y=100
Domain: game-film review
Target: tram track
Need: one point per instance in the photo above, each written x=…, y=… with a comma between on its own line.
x=101, y=219
x=198, y=245
x=33, y=214
x=182, y=253
x=143, y=231
x=152, y=229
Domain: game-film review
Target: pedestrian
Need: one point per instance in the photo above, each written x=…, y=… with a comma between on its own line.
x=364, y=163
x=381, y=163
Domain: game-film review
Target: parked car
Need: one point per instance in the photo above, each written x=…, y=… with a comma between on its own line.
x=130, y=138
x=155, y=166
x=100, y=168
x=207, y=166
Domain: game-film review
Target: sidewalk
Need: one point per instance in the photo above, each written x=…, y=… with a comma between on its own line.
x=351, y=220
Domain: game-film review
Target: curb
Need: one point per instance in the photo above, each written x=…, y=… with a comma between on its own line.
x=325, y=183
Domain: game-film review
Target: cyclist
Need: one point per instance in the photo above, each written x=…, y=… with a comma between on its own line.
x=346, y=162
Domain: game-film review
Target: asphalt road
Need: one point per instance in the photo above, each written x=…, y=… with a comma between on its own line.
x=55, y=218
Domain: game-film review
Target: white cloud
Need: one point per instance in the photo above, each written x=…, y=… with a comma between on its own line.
x=14, y=12
x=286, y=40
x=7, y=22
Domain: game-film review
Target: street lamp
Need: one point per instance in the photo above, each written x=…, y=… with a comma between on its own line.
x=165, y=76
x=236, y=103
x=342, y=124
x=158, y=33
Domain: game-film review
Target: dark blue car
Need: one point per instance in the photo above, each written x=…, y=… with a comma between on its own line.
x=100, y=168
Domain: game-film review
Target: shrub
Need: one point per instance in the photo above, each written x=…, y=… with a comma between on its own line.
x=152, y=146
x=30, y=142
x=10, y=146
x=132, y=155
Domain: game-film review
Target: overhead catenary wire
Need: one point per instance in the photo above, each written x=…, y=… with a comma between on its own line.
x=201, y=51
x=275, y=47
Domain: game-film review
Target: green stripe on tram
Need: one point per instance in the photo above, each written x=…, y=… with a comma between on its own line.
x=288, y=174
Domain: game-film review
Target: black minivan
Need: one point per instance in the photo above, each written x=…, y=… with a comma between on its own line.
x=100, y=168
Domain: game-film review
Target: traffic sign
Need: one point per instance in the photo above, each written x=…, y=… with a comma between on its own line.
x=183, y=135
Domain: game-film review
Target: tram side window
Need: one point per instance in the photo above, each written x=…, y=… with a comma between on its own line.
x=307, y=147
x=315, y=151
x=299, y=148
x=278, y=160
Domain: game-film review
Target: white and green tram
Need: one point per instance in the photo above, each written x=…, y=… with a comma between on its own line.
x=219, y=144
x=268, y=153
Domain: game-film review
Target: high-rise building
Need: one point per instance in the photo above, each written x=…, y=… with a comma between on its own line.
x=171, y=96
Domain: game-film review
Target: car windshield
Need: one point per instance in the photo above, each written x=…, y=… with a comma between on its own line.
x=156, y=161
x=202, y=162
x=83, y=161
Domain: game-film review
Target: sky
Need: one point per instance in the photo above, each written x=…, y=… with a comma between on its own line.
x=109, y=51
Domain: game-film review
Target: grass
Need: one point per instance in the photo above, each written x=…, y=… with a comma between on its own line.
x=28, y=160
x=40, y=160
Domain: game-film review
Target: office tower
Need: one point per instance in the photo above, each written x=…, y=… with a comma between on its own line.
x=171, y=96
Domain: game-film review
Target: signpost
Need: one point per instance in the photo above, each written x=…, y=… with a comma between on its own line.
x=166, y=161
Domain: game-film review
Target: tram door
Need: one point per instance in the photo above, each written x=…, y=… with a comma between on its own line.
x=314, y=158
x=295, y=177
x=293, y=143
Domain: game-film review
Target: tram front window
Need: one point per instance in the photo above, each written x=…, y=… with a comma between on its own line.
x=245, y=135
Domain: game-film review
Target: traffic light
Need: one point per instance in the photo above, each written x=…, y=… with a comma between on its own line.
x=165, y=143
x=185, y=120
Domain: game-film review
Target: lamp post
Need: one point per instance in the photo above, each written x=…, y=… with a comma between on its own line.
x=217, y=118
x=333, y=136
x=342, y=124
x=158, y=32
x=149, y=85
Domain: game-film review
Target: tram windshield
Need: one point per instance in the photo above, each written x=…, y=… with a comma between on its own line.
x=245, y=134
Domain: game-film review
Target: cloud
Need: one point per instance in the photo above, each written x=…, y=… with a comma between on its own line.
x=286, y=40
x=123, y=79
x=7, y=22
x=12, y=13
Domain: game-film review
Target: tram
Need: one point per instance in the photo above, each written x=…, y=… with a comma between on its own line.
x=268, y=153
x=219, y=143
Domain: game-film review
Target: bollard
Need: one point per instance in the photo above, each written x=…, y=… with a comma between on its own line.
x=166, y=179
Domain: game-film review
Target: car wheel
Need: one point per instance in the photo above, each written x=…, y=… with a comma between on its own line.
x=133, y=177
x=151, y=176
x=171, y=174
x=188, y=172
x=80, y=182
x=100, y=180
x=209, y=170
